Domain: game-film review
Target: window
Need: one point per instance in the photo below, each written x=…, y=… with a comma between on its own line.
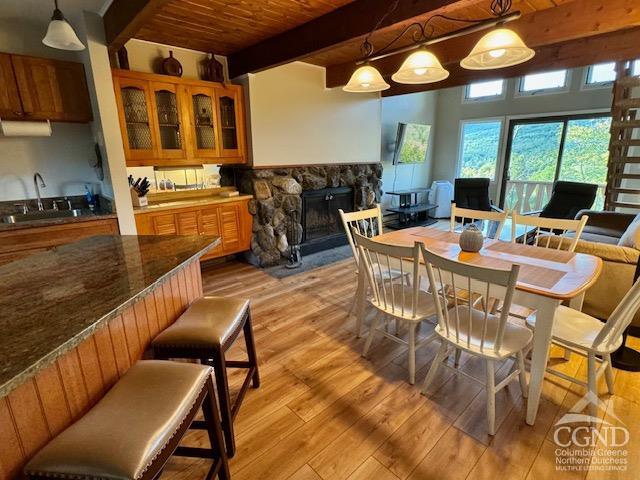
x=600, y=74
x=491, y=90
x=479, y=146
x=635, y=68
x=547, y=82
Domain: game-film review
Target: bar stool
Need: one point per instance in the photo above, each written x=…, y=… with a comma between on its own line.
x=137, y=426
x=205, y=332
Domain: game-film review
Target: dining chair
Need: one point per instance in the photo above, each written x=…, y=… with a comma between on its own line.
x=393, y=298
x=589, y=337
x=474, y=330
x=367, y=223
x=545, y=229
x=463, y=216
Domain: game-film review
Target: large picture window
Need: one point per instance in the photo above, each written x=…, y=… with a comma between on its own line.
x=479, y=148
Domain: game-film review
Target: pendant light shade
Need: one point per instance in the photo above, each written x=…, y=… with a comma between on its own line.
x=497, y=49
x=420, y=67
x=60, y=34
x=366, y=79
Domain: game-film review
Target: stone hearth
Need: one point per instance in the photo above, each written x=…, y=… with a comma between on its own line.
x=277, y=204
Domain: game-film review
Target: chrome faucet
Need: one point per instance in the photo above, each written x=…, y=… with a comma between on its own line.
x=42, y=184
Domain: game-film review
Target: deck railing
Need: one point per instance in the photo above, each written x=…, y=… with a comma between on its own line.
x=524, y=196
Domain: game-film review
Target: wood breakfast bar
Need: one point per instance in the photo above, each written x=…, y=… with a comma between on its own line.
x=72, y=322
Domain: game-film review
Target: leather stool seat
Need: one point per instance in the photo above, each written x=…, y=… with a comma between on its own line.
x=121, y=436
x=208, y=323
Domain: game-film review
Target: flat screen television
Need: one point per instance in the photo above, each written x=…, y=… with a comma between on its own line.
x=412, y=143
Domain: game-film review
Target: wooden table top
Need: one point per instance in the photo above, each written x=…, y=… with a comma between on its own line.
x=551, y=273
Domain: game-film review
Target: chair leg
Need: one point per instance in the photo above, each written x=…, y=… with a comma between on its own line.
x=220, y=370
x=435, y=365
x=592, y=384
x=212, y=420
x=361, y=293
x=251, y=350
x=412, y=353
x=372, y=332
x=456, y=360
x=522, y=375
x=491, y=397
x=608, y=373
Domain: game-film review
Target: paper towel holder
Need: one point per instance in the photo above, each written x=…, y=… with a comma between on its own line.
x=22, y=128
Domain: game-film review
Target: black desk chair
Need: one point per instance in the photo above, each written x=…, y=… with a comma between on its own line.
x=568, y=198
x=473, y=194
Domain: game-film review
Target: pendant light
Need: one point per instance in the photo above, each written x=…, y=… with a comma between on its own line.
x=497, y=49
x=366, y=79
x=60, y=33
x=420, y=67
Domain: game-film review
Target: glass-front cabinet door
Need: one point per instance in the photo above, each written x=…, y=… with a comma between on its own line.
x=204, y=122
x=229, y=106
x=136, y=120
x=171, y=140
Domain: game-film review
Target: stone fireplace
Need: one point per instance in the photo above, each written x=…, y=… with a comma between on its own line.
x=299, y=205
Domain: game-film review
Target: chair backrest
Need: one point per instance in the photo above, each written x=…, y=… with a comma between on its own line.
x=387, y=267
x=364, y=222
x=546, y=229
x=459, y=322
x=619, y=319
x=568, y=198
x=472, y=193
x=463, y=216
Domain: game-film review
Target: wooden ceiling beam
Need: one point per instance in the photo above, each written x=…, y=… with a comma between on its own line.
x=341, y=25
x=124, y=18
x=616, y=46
x=569, y=21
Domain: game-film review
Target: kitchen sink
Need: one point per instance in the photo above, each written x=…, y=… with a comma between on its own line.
x=43, y=215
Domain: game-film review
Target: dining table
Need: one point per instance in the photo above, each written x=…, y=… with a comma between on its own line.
x=547, y=278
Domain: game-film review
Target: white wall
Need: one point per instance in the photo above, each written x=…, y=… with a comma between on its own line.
x=451, y=110
x=415, y=108
x=63, y=158
x=296, y=120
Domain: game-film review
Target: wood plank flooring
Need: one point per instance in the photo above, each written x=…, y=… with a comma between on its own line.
x=324, y=412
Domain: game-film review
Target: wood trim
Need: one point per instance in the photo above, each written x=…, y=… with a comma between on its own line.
x=43, y=406
x=580, y=19
x=124, y=18
x=341, y=25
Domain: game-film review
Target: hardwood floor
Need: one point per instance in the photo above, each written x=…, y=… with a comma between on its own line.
x=324, y=412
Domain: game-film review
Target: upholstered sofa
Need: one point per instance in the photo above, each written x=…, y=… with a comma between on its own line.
x=600, y=237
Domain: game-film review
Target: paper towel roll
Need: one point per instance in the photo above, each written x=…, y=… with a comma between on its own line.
x=25, y=129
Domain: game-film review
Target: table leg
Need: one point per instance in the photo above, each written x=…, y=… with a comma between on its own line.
x=361, y=294
x=541, y=343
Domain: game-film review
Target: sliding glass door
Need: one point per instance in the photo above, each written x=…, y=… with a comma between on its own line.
x=543, y=150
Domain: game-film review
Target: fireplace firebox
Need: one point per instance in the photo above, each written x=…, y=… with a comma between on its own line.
x=321, y=224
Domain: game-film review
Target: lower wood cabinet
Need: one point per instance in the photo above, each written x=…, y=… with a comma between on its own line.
x=230, y=220
x=19, y=243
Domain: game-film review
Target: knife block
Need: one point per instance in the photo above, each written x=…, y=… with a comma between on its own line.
x=138, y=201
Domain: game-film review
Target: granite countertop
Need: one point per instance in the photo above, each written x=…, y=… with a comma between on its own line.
x=188, y=203
x=50, y=302
x=87, y=216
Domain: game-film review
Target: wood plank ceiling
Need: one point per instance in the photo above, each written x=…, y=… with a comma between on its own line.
x=225, y=26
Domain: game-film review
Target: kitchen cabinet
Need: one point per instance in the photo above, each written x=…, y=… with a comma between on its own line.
x=170, y=121
x=229, y=220
x=16, y=243
x=35, y=88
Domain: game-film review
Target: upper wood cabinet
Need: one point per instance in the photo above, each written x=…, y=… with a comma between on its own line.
x=181, y=122
x=34, y=88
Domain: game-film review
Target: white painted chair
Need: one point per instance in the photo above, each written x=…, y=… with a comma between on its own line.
x=548, y=228
x=369, y=224
x=477, y=331
x=394, y=298
x=476, y=216
x=587, y=336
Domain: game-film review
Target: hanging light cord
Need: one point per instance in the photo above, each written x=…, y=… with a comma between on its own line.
x=499, y=8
